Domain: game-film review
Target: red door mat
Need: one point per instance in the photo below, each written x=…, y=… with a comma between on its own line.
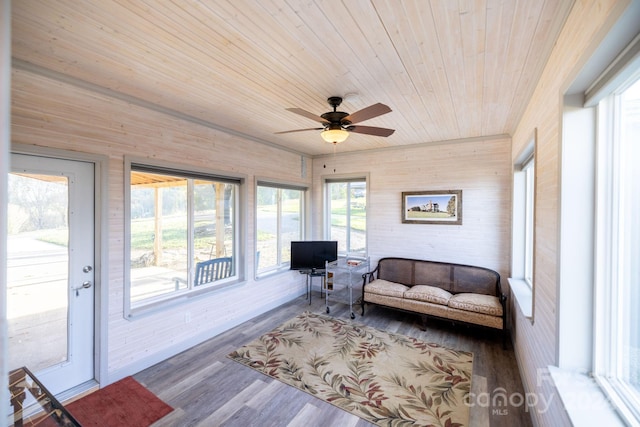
x=125, y=403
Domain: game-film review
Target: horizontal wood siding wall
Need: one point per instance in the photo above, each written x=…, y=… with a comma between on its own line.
x=536, y=344
x=49, y=113
x=480, y=168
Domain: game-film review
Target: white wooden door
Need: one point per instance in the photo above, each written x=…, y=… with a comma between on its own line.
x=50, y=269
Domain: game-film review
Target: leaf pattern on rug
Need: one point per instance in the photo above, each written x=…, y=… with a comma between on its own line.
x=387, y=379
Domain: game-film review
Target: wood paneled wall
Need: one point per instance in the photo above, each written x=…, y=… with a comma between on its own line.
x=53, y=114
x=50, y=113
x=481, y=168
x=536, y=343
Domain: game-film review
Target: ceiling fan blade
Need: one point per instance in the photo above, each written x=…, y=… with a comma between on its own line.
x=371, y=130
x=297, y=130
x=307, y=114
x=367, y=113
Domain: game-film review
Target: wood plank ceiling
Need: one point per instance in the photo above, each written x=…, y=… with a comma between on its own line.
x=449, y=70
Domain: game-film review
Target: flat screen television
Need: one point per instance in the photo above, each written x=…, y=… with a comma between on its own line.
x=312, y=254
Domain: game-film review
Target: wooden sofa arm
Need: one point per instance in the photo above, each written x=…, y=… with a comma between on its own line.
x=369, y=274
x=501, y=295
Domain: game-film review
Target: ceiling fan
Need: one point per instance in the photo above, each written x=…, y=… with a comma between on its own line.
x=336, y=125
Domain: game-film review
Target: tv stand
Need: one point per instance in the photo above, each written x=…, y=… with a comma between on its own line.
x=311, y=273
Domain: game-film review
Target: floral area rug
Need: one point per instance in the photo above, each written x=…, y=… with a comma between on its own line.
x=387, y=379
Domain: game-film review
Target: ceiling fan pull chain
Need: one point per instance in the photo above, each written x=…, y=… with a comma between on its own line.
x=334, y=157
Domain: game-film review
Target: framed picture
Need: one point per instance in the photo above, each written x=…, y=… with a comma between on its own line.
x=432, y=207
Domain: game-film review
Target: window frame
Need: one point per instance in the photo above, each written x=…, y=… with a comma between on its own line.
x=528, y=170
x=610, y=257
x=523, y=230
x=170, y=299
x=357, y=178
x=280, y=187
x=581, y=265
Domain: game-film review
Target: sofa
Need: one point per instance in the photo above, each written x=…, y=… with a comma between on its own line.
x=456, y=292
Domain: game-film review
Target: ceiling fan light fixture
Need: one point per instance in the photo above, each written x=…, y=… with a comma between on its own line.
x=337, y=125
x=334, y=136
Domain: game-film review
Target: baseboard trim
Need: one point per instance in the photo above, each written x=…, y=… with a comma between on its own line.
x=195, y=340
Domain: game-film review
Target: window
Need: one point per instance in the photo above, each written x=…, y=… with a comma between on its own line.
x=523, y=227
x=279, y=220
x=528, y=172
x=182, y=233
x=617, y=333
x=347, y=214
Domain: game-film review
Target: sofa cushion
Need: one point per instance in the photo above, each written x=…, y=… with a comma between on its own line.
x=478, y=303
x=394, y=302
x=428, y=294
x=384, y=287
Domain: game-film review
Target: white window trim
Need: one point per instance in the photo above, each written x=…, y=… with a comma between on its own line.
x=523, y=240
x=166, y=302
x=528, y=170
x=303, y=203
x=583, y=398
x=607, y=275
x=327, y=205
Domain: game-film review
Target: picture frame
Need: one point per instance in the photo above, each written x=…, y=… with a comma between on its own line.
x=432, y=207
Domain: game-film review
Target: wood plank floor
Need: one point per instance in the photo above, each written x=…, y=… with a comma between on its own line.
x=207, y=389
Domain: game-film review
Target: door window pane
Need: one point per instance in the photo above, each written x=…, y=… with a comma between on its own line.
x=37, y=270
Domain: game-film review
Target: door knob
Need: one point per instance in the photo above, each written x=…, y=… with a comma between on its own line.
x=86, y=269
x=85, y=285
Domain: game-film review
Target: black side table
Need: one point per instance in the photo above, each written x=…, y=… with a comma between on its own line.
x=310, y=275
